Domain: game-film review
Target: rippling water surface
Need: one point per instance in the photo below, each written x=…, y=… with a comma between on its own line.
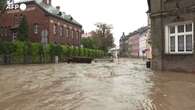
x=126, y=85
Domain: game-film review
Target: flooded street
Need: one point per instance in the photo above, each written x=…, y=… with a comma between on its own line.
x=97, y=86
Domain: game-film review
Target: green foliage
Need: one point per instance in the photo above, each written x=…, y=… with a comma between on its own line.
x=21, y=51
x=102, y=38
x=19, y=48
x=36, y=49
x=27, y=49
x=89, y=42
x=7, y=48
x=55, y=50
x=81, y=52
x=2, y=4
x=23, y=30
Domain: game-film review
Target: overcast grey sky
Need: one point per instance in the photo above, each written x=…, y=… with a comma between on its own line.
x=124, y=15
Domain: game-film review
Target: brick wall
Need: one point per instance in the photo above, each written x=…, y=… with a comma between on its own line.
x=35, y=15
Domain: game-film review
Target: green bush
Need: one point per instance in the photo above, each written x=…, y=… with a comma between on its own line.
x=19, y=48
x=2, y=4
x=22, y=51
x=37, y=52
x=7, y=48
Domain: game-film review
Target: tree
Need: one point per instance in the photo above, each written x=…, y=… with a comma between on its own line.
x=89, y=42
x=2, y=5
x=23, y=30
x=104, y=36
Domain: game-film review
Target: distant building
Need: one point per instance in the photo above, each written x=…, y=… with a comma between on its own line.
x=135, y=44
x=172, y=31
x=143, y=42
x=124, y=47
x=42, y=17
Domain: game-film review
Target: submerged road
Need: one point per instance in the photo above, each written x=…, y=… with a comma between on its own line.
x=126, y=85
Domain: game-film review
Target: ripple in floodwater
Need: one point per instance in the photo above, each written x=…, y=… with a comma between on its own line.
x=126, y=85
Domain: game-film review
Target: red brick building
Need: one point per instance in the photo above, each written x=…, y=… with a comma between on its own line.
x=42, y=18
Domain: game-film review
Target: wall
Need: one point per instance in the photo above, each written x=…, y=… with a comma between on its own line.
x=142, y=44
x=171, y=14
x=35, y=15
x=134, y=45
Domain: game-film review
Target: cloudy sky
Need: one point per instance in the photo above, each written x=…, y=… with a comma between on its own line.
x=124, y=15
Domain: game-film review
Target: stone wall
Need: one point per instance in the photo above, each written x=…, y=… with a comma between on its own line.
x=164, y=12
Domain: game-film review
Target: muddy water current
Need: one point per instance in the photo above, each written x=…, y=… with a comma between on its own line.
x=126, y=85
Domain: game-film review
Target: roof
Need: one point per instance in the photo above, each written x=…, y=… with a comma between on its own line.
x=53, y=11
x=138, y=31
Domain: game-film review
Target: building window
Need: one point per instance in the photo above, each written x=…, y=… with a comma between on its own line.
x=72, y=34
x=179, y=38
x=14, y=36
x=77, y=36
x=55, y=29
x=61, y=31
x=36, y=26
x=65, y=33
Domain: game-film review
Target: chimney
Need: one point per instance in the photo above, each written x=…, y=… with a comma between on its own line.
x=48, y=2
x=58, y=8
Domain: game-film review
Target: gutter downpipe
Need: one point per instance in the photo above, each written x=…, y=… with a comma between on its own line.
x=162, y=38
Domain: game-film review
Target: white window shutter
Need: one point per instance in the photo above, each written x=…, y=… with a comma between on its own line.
x=166, y=39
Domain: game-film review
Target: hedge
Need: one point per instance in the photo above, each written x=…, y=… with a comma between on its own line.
x=22, y=52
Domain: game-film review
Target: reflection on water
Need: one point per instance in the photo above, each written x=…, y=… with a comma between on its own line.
x=98, y=86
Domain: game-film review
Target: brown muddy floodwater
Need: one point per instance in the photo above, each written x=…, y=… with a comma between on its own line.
x=98, y=86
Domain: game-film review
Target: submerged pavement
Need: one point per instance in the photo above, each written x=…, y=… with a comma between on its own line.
x=126, y=85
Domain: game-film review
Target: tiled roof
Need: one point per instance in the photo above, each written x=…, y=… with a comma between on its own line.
x=52, y=10
x=138, y=31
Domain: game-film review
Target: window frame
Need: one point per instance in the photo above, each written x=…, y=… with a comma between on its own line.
x=55, y=29
x=36, y=28
x=176, y=34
